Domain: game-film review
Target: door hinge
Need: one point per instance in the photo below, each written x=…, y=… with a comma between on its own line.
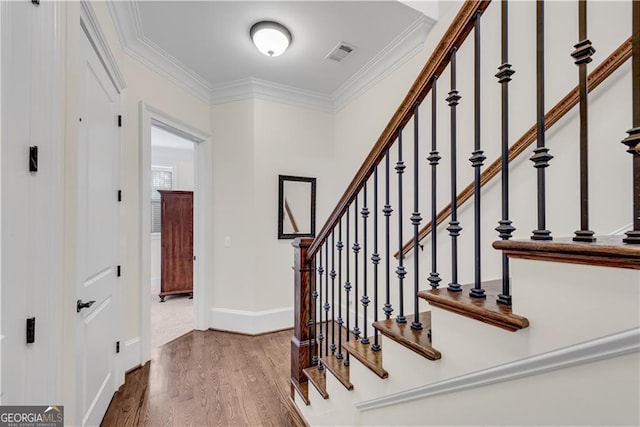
x=31, y=330
x=118, y=271
x=119, y=195
x=119, y=121
x=117, y=346
x=33, y=158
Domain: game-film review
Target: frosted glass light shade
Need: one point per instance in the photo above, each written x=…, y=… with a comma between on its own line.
x=271, y=38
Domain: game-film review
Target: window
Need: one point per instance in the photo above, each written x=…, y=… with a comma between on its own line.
x=161, y=179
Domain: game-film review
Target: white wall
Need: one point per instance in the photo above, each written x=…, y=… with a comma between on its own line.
x=255, y=141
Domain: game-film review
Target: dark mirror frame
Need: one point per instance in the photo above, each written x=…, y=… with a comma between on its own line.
x=281, y=181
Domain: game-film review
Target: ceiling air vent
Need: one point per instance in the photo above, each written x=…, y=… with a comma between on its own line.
x=341, y=52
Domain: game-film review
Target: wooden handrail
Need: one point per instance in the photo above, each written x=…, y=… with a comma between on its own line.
x=438, y=61
x=597, y=76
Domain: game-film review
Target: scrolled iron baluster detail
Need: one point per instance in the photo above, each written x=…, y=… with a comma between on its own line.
x=505, y=227
x=434, y=159
x=541, y=156
x=633, y=140
x=365, y=297
x=347, y=286
x=582, y=55
x=332, y=274
x=454, y=227
x=375, y=258
x=477, y=160
x=386, y=210
x=340, y=322
x=327, y=306
x=321, y=334
x=416, y=218
x=401, y=272
x=356, y=251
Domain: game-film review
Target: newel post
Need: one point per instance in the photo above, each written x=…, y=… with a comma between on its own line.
x=302, y=340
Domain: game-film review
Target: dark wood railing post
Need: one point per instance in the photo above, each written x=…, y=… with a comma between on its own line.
x=303, y=339
x=633, y=140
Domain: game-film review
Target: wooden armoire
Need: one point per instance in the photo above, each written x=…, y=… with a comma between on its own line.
x=176, y=228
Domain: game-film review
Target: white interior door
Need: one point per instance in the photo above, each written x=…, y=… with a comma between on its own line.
x=98, y=234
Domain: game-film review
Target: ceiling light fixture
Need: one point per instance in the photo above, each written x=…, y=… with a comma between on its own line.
x=271, y=38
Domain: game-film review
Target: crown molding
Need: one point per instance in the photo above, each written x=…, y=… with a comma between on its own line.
x=262, y=89
x=607, y=347
x=126, y=17
x=400, y=50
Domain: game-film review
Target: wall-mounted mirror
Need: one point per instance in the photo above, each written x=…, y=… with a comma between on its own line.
x=296, y=207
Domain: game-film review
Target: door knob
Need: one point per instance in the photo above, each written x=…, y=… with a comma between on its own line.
x=80, y=305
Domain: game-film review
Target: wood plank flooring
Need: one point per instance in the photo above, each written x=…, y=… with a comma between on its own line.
x=210, y=378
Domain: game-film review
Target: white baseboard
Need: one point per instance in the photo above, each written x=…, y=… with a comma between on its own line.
x=130, y=354
x=251, y=322
x=607, y=347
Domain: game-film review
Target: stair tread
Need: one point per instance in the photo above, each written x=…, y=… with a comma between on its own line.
x=301, y=388
x=318, y=380
x=365, y=355
x=486, y=310
x=337, y=368
x=609, y=251
x=418, y=341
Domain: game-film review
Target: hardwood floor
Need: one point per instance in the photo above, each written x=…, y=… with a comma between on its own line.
x=210, y=378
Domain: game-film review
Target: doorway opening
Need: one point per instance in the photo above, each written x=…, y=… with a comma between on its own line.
x=171, y=237
x=151, y=116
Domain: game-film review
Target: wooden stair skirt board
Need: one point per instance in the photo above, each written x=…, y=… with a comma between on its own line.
x=318, y=379
x=301, y=388
x=417, y=341
x=486, y=310
x=606, y=251
x=337, y=368
x=365, y=355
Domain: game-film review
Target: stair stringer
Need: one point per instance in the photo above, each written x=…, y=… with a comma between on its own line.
x=566, y=304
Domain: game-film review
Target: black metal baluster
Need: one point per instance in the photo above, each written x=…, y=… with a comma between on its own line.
x=388, y=309
x=633, y=140
x=347, y=286
x=454, y=227
x=477, y=160
x=321, y=335
x=356, y=250
x=416, y=218
x=400, y=271
x=314, y=312
x=541, y=155
x=434, y=159
x=333, y=287
x=340, y=322
x=582, y=56
x=505, y=228
x=327, y=306
x=375, y=258
x=365, y=297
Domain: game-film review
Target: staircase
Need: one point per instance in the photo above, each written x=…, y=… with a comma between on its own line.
x=401, y=321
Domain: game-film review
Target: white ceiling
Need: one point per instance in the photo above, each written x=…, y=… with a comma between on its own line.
x=206, y=44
